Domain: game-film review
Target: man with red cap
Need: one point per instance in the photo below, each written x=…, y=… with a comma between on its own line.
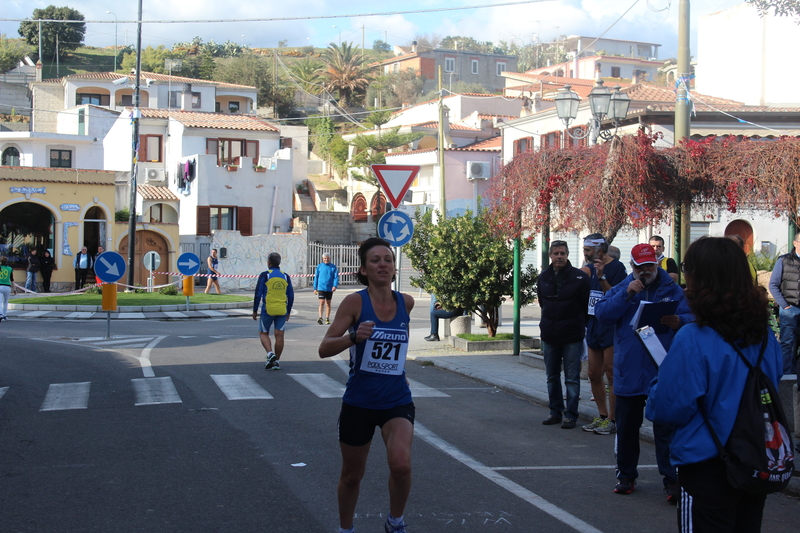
x=634, y=369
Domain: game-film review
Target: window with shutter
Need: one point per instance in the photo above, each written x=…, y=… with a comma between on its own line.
x=245, y=220
x=203, y=220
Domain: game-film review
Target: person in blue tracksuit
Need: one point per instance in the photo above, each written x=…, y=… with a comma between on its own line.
x=275, y=289
x=702, y=367
x=374, y=325
x=326, y=279
x=633, y=367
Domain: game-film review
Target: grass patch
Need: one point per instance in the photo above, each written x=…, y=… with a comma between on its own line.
x=426, y=363
x=82, y=59
x=485, y=337
x=124, y=298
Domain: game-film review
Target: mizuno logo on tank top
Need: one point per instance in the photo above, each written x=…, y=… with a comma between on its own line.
x=387, y=336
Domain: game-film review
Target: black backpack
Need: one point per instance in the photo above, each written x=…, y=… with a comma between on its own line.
x=758, y=456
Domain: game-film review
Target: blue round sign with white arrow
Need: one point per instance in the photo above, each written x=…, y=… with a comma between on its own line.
x=188, y=264
x=396, y=227
x=109, y=267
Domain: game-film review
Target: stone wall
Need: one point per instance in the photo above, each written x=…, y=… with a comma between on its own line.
x=328, y=227
x=48, y=100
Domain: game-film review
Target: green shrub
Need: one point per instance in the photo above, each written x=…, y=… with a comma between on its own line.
x=122, y=215
x=94, y=290
x=762, y=261
x=170, y=290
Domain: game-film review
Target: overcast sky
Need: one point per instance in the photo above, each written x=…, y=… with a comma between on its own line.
x=650, y=20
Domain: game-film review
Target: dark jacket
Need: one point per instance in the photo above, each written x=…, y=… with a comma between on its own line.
x=47, y=264
x=33, y=263
x=784, y=283
x=564, y=301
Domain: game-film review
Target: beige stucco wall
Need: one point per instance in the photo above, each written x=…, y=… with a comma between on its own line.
x=48, y=100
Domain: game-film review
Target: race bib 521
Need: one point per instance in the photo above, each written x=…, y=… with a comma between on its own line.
x=385, y=352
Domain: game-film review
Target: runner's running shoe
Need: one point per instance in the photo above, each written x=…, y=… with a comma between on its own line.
x=606, y=428
x=595, y=423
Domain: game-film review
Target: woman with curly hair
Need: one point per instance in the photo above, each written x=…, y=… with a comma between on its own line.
x=702, y=368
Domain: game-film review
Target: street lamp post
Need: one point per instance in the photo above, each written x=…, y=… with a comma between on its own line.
x=340, y=33
x=602, y=103
x=116, y=52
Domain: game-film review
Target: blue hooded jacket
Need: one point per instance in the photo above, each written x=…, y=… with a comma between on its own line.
x=633, y=367
x=701, y=365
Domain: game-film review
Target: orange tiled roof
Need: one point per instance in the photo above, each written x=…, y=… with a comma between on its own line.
x=196, y=119
x=435, y=124
x=149, y=192
x=111, y=76
x=487, y=145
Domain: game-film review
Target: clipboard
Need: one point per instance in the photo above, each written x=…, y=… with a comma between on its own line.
x=651, y=313
x=651, y=343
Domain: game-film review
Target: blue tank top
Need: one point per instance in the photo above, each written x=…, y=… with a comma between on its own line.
x=379, y=382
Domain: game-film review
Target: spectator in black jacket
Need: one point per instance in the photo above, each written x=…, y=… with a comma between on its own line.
x=563, y=292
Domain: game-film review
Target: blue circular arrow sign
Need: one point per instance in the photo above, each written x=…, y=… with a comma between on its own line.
x=109, y=267
x=396, y=227
x=188, y=264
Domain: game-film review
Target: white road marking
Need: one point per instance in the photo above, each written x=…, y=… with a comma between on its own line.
x=154, y=391
x=240, y=387
x=127, y=316
x=418, y=390
x=66, y=396
x=320, y=385
x=3, y=391
x=518, y=490
x=212, y=313
x=571, y=467
x=144, y=359
x=175, y=314
x=114, y=341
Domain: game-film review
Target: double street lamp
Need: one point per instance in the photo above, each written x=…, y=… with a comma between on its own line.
x=602, y=103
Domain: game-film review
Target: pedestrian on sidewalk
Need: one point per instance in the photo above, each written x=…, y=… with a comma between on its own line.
x=604, y=272
x=48, y=264
x=373, y=323
x=563, y=293
x=82, y=263
x=702, y=370
x=212, y=261
x=274, y=289
x=326, y=279
x=633, y=367
x=31, y=271
x=6, y=286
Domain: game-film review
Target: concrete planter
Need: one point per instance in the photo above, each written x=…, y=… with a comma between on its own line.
x=491, y=346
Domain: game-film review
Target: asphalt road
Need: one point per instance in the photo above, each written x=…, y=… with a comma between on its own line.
x=175, y=426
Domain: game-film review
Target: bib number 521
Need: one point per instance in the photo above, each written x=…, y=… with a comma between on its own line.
x=383, y=350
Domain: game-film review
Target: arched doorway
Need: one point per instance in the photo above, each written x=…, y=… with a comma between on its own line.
x=359, y=208
x=24, y=226
x=743, y=229
x=378, y=207
x=94, y=229
x=146, y=241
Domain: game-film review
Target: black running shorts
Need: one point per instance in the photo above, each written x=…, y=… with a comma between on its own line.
x=357, y=424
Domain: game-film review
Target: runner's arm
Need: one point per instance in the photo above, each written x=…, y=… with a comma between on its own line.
x=337, y=338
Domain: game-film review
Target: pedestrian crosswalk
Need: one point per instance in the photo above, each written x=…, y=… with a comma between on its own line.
x=162, y=390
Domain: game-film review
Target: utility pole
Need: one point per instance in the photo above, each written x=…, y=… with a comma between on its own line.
x=137, y=115
x=682, y=223
x=442, y=200
x=40, y=40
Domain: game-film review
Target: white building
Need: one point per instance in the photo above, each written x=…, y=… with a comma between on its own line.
x=743, y=56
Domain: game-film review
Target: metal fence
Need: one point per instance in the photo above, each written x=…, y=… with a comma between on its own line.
x=344, y=256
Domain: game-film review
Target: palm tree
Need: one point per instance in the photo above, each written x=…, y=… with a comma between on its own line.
x=308, y=74
x=345, y=73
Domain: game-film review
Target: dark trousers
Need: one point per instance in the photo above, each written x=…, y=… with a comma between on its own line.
x=629, y=417
x=80, y=277
x=46, y=275
x=441, y=313
x=709, y=504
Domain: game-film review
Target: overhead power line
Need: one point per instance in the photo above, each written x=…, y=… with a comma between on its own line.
x=284, y=19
